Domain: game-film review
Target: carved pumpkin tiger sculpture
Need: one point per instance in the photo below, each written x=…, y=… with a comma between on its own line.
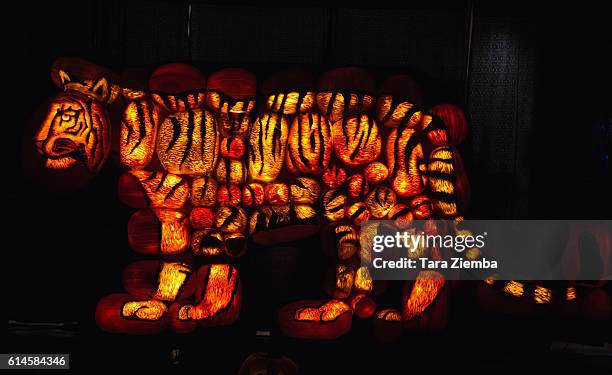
x=207, y=173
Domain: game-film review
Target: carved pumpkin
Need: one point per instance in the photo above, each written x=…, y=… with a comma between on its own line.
x=154, y=279
x=267, y=143
x=398, y=102
x=188, y=142
x=404, y=156
x=454, y=119
x=231, y=171
x=204, y=191
x=315, y=319
x=178, y=87
x=426, y=290
x=140, y=189
x=304, y=190
x=309, y=144
x=358, y=187
x=252, y=195
x=269, y=225
x=138, y=133
x=334, y=177
x=230, y=95
x=356, y=140
x=158, y=231
x=232, y=148
x=277, y=194
x=207, y=242
x=289, y=92
x=124, y=313
x=345, y=92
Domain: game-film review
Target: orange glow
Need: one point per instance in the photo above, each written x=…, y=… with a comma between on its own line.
x=76, y=130
x=232, y=148
x=335, y=106
x=174, y=231
x=207, y=242
x=218, y=296
x=163, y=190
x=402, y=216
x=333, y=204
x=389, y=315
x=267, y=143
x=345, y=278
x=570, y=294
x=363, y=280
x=514, y=288
x=376, y=172
x=327, y=312
x=201, y=217
x=290, y=103
x=204, y=191
x=170, y=281
x=542, y=295
x=304, y=190
x=309, y=144
x=334, y=177
x=403, y=164
x=357, y=213
x=252, y=195
x=440, y=180
x=231, y=171
x=380, y=201
x=179, y=102
x=229, y=219
x=144, y=310
x=348, y=240
x=357, y=186
x=188, y=142
x=398, y=114
x=277, y=194
x=229, y=195
x=426, y=288
x=138, y=131
x=421, y=207
x=356, y=140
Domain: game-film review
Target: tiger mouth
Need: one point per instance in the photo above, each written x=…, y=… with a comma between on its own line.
x=64, y=146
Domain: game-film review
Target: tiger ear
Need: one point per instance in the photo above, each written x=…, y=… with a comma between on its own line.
x=100, y=87
x=63, y=77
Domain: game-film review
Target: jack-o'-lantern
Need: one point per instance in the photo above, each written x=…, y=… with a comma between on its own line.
x=232, y=148
x=76, y=131
x=289, y=92
x=356, y=140
x=380, y=201
x=345, y=92
x=344, y=279
x=333, y=204
x=231, y=171
x=138, y=133
x=404, y=156
x=304, y=190
x=230, y=95
x=235, y=244
x=158, y=231
x=421, y=207
x=269, y=225
x=334, y=177
x=140, y=189
x=454, y=120
x=363, y=306
x=218, y=296
x=207, y=242
x=358, y=187
x=178, y=87
x=277, y=194
x=309, y=144
x=230, y=219
x=201, y=217
x=267, y=143
x=164, y=281
x=253, y=195
x=398, y=101
x=347, y=240
x=229, y=194
x=357, y=213
x=315, y=319
x=124, y=313
x=363, y=280
x=204, y=191
x=188, y=142
x=376, y=172
x=419, y=296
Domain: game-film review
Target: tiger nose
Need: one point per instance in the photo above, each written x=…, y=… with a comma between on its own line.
x=62, y=146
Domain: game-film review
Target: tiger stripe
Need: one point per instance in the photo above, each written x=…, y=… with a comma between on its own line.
x=356, y=140
x=188, y=142
x=309, y=144
x=404, y=155
x=267, y=144
x=290, y=103
x=441, y=181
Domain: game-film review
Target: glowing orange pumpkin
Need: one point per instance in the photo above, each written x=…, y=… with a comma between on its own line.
x=315, y=319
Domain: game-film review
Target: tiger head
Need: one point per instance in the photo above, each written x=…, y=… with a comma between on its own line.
x=76, y=129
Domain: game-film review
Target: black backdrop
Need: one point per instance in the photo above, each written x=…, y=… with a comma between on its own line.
x=535, y=82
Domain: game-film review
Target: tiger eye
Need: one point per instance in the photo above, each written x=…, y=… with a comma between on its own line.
x=380, y=200
x=357, y=186
x=358, y=213
x=334, y=177
x=277, y=194
x=252, y=195
x=229, y=195
x=376, y=172
x=304, y=190
x=232, y=148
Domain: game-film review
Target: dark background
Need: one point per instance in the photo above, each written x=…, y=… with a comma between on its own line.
x=535, y=82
